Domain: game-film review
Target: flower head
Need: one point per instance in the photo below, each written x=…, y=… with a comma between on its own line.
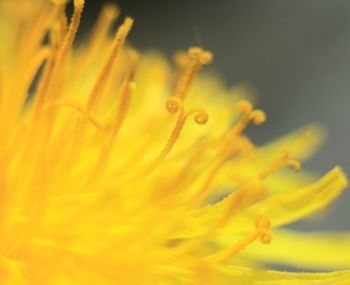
x=111, y=163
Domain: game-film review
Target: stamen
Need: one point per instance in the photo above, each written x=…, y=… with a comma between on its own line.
x=175, y=105
x=56, y=62
x=119, y=40
x=62, y=18
x=170, y=143
x=248, y=114
x=80, y=109
x=43, y=88
x=108, y=15
x=204, y=191
x=33, y=67
x=262, y=232
x=29, y=41
x=70, y=35
x=197, y=58
x=107, y=147
x=279, y=164
x=127, y=90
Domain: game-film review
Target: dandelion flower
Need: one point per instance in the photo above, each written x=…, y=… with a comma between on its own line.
x=115, y=170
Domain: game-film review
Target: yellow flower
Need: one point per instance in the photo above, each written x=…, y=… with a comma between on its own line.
x=111, y=163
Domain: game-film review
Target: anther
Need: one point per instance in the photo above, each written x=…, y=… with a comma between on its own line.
x=197, y=58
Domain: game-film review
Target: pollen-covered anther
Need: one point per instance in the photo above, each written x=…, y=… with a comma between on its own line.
x=204, y=57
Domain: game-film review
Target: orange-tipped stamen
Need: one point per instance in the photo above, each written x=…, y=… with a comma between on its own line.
x=248, y=114
x=279, y=164
x=262, y=232
x=197, y=58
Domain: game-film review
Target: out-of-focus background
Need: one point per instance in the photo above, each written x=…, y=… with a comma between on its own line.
x=296, y=54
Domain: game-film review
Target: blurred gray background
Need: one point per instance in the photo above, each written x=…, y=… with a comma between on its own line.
x=296, y=53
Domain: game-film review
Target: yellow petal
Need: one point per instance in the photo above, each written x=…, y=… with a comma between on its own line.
x=304, y=250
x=280, y=209
x=245, y=276
x=301, y=143
x=288, y=207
